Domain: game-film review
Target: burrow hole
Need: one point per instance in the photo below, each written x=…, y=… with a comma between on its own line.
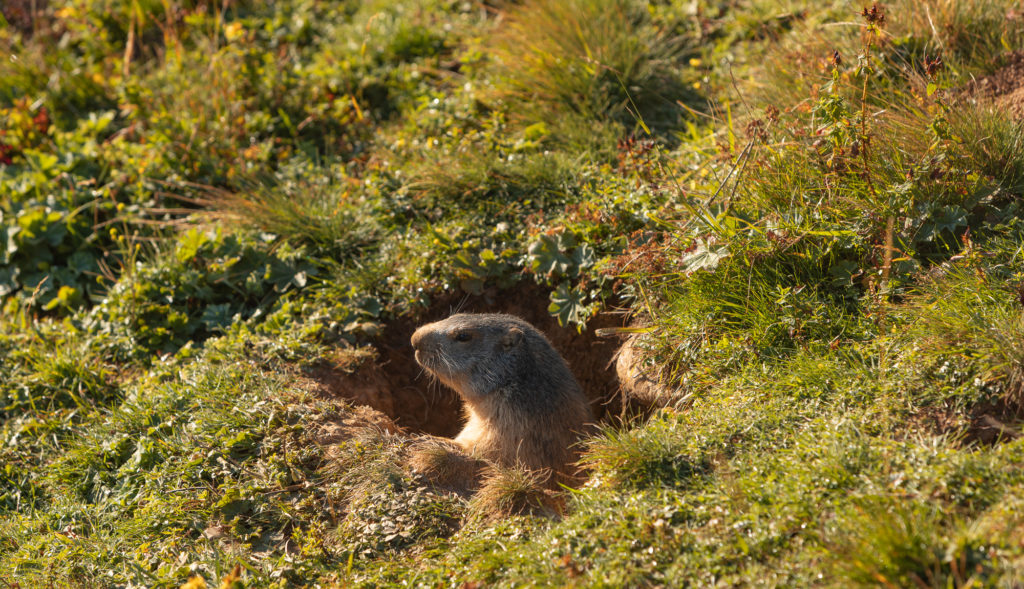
x=395, y=385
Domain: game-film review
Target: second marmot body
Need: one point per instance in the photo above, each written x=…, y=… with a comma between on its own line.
x=522, y=402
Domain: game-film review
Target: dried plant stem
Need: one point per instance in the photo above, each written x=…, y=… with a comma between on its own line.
x=129, y=49
x=890, y=223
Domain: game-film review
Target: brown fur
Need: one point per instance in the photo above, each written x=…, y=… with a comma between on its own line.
x=523, y=405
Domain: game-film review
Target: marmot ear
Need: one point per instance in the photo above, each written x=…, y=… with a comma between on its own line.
x=512, y=338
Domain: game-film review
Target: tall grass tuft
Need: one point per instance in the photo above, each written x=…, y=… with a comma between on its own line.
x=892, y=542
x=974, y=324
x=323, y=213
x=657, y=454
x=570, y=62
x=995, y=144
x=467, y=176
x=967, y=34
x=514, y=491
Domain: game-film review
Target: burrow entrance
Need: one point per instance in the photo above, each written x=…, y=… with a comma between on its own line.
x=395, y=385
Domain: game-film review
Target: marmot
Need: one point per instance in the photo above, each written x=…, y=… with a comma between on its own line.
x=523, y=405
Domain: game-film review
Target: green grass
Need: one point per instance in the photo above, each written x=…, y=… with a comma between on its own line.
x=824, y=253
x=993, y=144
x=567, y=64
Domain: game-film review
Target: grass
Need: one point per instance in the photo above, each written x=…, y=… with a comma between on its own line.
x=321, y=213
x=966, y=332
x=992, y=145
x=207, y=229
x=513, y=491
x=649, y=456
x=569, y=63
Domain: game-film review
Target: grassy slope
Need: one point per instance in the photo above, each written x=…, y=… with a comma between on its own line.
x=828, y=257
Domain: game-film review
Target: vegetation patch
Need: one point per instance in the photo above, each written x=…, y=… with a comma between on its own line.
x=223, y=221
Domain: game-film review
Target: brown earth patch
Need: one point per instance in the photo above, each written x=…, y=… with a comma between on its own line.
x=390, y=381
x=992, y=423
x=1004, y=88
x=984, y=424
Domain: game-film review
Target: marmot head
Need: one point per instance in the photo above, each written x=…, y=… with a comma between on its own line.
x=475, y=354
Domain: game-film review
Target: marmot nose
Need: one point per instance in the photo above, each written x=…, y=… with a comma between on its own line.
x=417, y=338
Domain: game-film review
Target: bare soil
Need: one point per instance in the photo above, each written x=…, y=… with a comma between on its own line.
x=992, y=423
x=1005, y=87
x=985, y=424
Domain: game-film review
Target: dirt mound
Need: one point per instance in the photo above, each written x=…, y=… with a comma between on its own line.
x=643, y=385
x=1004, y=88
x=395, y=385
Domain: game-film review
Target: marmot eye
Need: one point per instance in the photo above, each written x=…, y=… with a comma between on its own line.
x=463, y=336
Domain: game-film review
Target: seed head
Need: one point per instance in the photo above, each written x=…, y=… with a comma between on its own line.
x=873, y=15
x=932, y=66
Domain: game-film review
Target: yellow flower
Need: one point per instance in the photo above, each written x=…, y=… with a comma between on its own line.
x=194, y=583
x=233, y=31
